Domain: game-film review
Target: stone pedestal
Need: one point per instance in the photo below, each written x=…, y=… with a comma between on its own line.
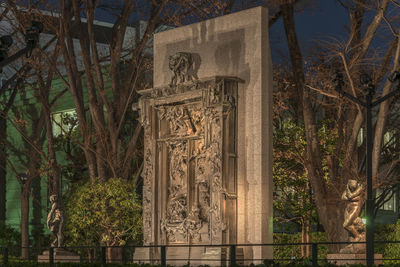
x=196, y=256
x=344, y=259
x=146, y=256
x=179, y=256
x=59, y=255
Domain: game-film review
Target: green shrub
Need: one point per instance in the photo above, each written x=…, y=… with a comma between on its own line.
x=384, y=232
x=9, y=236
x=103, y=213
x=389, y=232
x=294, y=252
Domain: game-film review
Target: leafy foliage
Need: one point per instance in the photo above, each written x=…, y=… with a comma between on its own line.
x=9, y=236
x=293, y=252
x=73, y=166
x=390, y=232
x=292, y=198
x=106, y=213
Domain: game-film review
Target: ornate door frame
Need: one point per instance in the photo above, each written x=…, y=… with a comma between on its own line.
x=190, y=169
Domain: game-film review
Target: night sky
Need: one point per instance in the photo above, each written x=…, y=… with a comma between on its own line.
x=324, y=20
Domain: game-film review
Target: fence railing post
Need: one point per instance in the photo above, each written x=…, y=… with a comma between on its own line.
x=51, y=256
x=232, y=255
x=5, y=256
x=314, y=255
x=163, y=256
x=103, y=256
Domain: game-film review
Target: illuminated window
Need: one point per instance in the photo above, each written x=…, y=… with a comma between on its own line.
x=390, y=200
x=389, y=139
x=360, y=137
x=64, y=121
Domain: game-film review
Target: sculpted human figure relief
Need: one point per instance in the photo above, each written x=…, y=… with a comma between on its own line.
x=183, y=158
x=182, y=120
x=180, y=64
x=55, y=221
x=352, y=223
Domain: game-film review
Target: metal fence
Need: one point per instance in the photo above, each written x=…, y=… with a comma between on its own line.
x=224, y=255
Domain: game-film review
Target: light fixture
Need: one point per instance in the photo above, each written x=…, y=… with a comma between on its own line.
x=23, y=177
x=5, y=42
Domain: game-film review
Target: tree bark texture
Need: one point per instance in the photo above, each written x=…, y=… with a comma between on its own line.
x=25, y=190
x=3, y=165
x=101, y=125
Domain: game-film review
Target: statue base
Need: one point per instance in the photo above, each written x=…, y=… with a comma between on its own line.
x=179, y=256
x=352, y=258
x=59, y=255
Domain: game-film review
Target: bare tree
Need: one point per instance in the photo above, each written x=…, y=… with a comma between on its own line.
x=30, y=121
x=108, y=81
x=316, y=95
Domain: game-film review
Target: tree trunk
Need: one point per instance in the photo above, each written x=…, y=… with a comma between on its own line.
x=3, y=173
x=305, y=238
x=329, y=205
x=331, y=215
x=25, y=195
x=38, y=229
x=25, y=221
x=55, y=177
x=306, y=224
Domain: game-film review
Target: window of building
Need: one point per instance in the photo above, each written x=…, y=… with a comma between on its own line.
x=64, y=121
x=390, y=200
x=360, y=137
x=389, y=139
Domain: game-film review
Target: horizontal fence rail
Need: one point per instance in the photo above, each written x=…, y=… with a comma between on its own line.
x=230, y=255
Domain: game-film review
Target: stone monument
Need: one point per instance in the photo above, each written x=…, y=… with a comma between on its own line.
x=55, y=223
x=208, y=140
x=353, y=224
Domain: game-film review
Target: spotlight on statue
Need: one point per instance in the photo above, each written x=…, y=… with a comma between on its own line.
x=367, y=85
x=32, y=36
x=23, y=177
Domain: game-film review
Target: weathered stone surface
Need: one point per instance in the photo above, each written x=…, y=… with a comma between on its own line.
x=221, y=142
x=59, y=255
x=142, y=256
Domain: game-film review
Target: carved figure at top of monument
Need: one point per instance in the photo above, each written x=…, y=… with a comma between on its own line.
x=55, y=221
x=180, y=64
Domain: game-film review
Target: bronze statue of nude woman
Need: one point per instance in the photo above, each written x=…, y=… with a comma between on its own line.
x=352, y=194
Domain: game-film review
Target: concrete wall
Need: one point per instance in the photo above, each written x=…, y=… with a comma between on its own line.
x=236, y=45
